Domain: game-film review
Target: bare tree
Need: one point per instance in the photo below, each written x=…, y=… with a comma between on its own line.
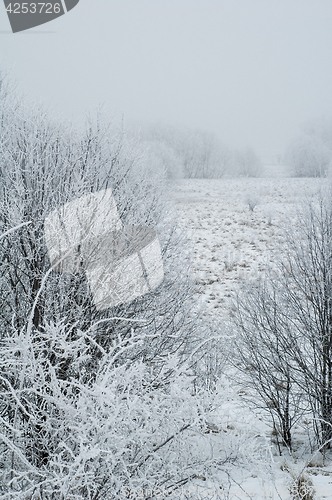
x=285, y=325
x=260, y=356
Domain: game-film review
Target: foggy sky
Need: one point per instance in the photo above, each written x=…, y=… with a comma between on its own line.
x=250, y=70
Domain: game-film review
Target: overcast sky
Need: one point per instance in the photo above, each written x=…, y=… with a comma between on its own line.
x=250, y=70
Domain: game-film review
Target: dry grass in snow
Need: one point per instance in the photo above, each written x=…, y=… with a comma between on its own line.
x=231, y=242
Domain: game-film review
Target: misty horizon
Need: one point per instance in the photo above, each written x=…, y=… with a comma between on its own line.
x=253, y=73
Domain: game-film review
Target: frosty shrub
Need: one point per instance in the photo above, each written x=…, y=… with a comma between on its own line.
x=301, y=488
x=121, y=431
x=88, y=400
x=252, y=201
x=87, y=436
x=44, y=165
x=260, y=357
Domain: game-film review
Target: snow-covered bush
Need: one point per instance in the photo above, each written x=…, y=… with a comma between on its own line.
x=91, y=436
x=252, y=201
x=114, y=433
x=44, y=165
x=56, y=348
x=301, y=488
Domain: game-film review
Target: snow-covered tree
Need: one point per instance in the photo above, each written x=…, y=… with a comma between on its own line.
x=246, y=163
x=53, y=340
x=310, y=155
x=195, y=153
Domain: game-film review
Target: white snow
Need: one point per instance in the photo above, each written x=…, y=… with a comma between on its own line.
x=230, y=243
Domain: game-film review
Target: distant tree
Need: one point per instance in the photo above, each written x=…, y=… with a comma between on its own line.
x=200, y=154
x=310, y=155
x=163, y=159
x=246, y=163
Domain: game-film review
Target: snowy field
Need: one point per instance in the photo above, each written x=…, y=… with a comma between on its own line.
x=231, y=243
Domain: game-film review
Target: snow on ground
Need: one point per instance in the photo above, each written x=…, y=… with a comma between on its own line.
x=231, y=243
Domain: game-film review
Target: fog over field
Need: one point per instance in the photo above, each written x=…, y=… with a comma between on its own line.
x=250, y=71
